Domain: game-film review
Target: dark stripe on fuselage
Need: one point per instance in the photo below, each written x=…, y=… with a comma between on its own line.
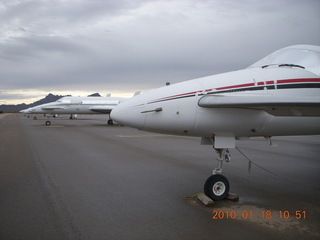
x=173, y=98
x=299, y=85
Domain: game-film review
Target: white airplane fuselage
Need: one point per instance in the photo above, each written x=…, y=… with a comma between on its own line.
x=77, y=105
x=175, y=109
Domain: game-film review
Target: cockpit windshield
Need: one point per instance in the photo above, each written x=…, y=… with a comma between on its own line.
x=292, y=57
x=64, y=100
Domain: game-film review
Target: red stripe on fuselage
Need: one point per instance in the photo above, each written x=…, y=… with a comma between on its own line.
x=301, y=80
x=236, y=86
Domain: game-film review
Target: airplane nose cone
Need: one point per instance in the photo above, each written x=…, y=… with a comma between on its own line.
x=128, y=115
x=117, y=114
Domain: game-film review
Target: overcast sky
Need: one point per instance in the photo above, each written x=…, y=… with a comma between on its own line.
x=80, y=47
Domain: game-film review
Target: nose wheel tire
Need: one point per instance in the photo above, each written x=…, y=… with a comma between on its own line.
x=48, y=123
x=216, y=187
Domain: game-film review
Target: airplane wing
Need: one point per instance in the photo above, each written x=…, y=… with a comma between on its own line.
x=274, y=105
x=101, y=109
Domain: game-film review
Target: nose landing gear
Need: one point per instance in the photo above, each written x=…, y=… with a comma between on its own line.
x=217, y=186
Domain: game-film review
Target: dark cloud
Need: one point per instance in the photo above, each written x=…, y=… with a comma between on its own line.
x=130, y=45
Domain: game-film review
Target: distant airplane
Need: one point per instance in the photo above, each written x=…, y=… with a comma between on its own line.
x=76, y=105
x=277, y=96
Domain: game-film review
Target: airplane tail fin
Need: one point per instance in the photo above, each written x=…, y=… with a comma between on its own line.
x=137, y=93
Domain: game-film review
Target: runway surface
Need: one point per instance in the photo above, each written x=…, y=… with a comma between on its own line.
x=82, y=179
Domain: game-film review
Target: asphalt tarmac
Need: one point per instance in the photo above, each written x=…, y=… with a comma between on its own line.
x=82, y=179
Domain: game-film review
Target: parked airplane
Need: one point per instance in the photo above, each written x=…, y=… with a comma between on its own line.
x=76, y=105
x=277, y=96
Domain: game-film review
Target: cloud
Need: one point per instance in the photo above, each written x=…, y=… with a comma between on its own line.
x=128, y=45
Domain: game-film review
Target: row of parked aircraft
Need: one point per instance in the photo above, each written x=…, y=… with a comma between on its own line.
x=76, y=105
x=277, y=96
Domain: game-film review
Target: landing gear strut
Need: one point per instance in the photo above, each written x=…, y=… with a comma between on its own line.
x=217, y=186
